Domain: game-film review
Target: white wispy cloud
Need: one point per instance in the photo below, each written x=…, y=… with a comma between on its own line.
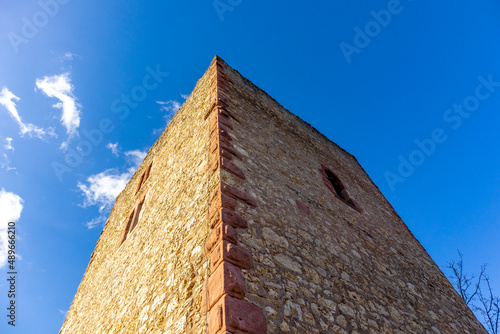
x=170, y=107
x=101, y=189
x=67, y=57
x=97, y=221
x=60, y=87
x=11, y=206
x=136, y=157
x=9, y=146
x=70, y=56
x=8, y=100
x=5, y=163
x=113, y=148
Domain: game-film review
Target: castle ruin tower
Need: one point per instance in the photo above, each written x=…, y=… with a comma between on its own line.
x=244, y=219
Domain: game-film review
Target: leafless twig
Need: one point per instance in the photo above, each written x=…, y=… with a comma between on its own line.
x=471, y=291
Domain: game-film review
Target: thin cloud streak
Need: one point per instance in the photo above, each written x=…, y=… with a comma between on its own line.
x=60, y=87
x=102, y=189
x=114, y=148
x=5, y=164
x=8, y=100
x=170, y=107
x=9, y=146
x=136, y=157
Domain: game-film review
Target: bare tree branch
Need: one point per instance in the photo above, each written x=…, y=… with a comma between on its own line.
x=471, y=291
x=463, y=282
x=489, y=307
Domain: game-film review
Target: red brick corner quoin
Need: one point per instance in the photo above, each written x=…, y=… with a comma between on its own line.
x=224, y=293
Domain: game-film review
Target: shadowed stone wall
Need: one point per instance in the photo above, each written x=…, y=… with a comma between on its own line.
x=321, y=265
x=253, y=222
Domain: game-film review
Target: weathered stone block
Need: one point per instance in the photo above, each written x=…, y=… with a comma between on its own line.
x=236, y=316
x=302, y=206
x=221, y=201
x=226, y=251
x=226, y=279
x=232, y=168
x=229, y=217
x=239, y=195
x=222, y=232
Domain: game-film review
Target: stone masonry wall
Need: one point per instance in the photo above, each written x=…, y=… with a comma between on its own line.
x=152, y=282
x=320, y=264
x=243, y=219
x=224, y=294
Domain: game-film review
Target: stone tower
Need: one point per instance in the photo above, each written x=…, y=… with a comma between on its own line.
x=244, y=219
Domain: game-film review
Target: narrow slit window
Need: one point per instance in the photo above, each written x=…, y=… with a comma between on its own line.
x=127, y=227
x=335, y=185
x=143, y=178
x=133, y=219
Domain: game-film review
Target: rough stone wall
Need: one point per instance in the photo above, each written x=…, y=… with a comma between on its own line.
x=224, y=294
x=152, y=283
x=241, y=232
x=320, y=264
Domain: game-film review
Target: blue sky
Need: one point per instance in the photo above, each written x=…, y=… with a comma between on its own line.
x=411, y=88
